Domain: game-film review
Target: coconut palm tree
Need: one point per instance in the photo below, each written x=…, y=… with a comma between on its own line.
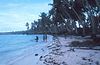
x=27, y=25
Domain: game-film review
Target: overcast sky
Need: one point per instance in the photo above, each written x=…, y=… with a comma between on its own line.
x=15, y=13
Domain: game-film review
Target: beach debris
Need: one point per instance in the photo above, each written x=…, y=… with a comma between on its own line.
x=36, y=54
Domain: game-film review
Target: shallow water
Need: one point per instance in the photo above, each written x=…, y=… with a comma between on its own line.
x=15, y=45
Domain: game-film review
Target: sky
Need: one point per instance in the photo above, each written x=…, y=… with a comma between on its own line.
x=15, y=13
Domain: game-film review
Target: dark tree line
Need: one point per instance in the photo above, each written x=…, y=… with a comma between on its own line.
x=70, y=17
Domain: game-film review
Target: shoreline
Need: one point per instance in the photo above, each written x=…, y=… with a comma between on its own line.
x=55, y=53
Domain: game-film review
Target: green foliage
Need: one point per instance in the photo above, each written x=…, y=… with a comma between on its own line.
x=66, y=16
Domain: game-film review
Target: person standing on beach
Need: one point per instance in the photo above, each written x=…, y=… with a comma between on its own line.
x=46, y=38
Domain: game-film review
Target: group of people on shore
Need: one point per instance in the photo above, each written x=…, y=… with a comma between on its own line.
x=44, y=38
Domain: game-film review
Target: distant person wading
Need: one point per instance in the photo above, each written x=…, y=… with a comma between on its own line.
x=45, y=38
x=37, y=38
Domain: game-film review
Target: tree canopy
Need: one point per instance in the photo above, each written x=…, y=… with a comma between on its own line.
x=71, y=16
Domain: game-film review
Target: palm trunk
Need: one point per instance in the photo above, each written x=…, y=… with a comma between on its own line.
x=91, y=19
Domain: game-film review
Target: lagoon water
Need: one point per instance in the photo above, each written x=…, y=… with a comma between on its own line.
x=12, y=46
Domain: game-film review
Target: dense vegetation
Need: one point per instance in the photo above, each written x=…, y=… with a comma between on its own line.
x=79, y=17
